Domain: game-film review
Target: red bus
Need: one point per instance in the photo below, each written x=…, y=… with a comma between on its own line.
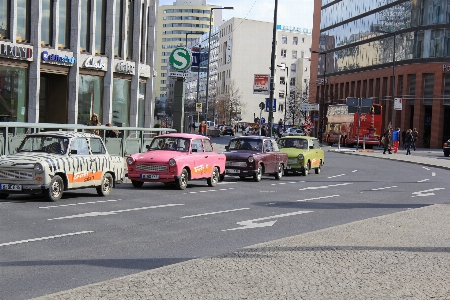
x=343, y=124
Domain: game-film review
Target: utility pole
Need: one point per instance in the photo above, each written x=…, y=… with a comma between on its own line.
x=272, y=68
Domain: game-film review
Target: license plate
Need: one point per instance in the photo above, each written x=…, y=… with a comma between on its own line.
x=149, y=176
x=11, y=187
x=232, y=171
x=292, y=161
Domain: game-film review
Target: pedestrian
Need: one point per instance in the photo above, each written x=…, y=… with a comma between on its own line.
x=386, y=140
x=111, y=133
x=94, y=122
x=263, y=130
x=203, y=128
x=415, y=135
x=409, y=141
x=404, y=139
x=395, y=139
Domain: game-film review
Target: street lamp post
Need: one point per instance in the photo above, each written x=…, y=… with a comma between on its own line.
x=286, y=94
x=209, y=53
x=321, y=107
x=393, y=77
x=191, y=32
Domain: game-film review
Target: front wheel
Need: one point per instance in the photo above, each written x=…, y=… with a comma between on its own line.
x=107, y=183
x=55, y=190
x=137, y=184
x=212, y=181
x=3, y=196
x=257, y=176
x=317, y=170
x=306, y=169
x=181, y=183
x=280, y=172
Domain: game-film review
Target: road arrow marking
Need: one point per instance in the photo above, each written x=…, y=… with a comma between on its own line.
x=426, y=193
x=249, y=223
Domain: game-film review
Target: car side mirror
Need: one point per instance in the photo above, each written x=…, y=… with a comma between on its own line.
x=147, y=146
x=73, y=151
x=227, y=148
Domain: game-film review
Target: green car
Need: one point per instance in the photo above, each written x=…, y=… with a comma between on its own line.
x=304, y=153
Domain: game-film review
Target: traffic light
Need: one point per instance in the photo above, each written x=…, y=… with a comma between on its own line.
x=262, y=106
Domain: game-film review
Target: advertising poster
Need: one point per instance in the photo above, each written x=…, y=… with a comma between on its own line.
x=261, y=84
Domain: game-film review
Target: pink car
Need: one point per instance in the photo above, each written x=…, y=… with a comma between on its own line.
x=177, y=158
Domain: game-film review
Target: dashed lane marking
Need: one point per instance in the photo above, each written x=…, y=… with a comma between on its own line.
x=426, y=168
x=324, y=186
x=44, y=238
x=209, y=191
x=336, y=176
x=354, y=171
x=81, y=203
x=426, y=193
x=433, y=174
x=290, y=182
x=318, y=198
x=423, y=180
x=215, y=213
x=384, y=188
x=114, y=212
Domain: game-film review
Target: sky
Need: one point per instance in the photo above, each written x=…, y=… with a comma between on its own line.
x=297, y=13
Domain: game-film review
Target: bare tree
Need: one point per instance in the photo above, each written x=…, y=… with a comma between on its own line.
x=229, y=105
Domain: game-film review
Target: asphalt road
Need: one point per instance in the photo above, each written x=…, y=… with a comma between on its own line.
x=49, y=247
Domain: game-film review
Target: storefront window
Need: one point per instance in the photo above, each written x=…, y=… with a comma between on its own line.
x=100, y=11
x=47, y=23
x=23, y=21
x=13, y=94
x=64, y=24
x=121, y=103
x=141, y=104
x=5, y=9
x=90, y=98
x=85, y=30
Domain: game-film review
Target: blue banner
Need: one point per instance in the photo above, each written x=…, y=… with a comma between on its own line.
x=274, y=107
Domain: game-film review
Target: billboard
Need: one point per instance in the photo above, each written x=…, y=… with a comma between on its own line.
x=261, y=84
x=199, y=58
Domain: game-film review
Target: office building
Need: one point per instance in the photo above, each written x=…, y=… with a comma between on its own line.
x=386, y=50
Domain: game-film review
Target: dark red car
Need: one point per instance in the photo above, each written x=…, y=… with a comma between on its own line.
x=253, y=156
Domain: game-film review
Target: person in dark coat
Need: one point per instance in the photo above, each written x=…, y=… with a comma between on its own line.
x=409, y=141
x=404, y=139
x=387, y=141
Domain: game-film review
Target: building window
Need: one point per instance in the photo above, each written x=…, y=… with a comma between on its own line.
x=293, y=68
x=90, y=98
x=283, y=52
x=143, y=39
x=163, y=81
x=294, y=54
x=281, y=94
x=303, y=39
x=163, y=74
x=85, y=28
x=100, y=26
x=141, y=105
x=164, y=60
x=292, y=81
x=5, y=11
x=23, y=21
x=121, y=102
x=295, y=40
x=118, y=28
x=47, y=23
x=284, y=39
x=13, y=94
x=282, y=80
x=302, y=54
x=64, y=24
x=130, y=15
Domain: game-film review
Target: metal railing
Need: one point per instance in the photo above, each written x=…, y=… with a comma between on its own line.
x=131, y=139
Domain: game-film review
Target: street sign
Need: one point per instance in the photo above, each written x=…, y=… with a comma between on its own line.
x=366, y=102
x=351, y=101
x=263, y=121
x=178, y=74
x=309, y=107
x=198, y=107
x=180, y=59
x=274, y=107
x=262, y=105
x=398, y=103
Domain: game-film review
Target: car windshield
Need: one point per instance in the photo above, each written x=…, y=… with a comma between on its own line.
x=293, y=143
x=48, y=144
x=170, y=143
x=245, y=144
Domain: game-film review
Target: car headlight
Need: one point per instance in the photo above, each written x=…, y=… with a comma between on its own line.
x=38, y=168
x=172, y=162
x=300, y=156
x=250, y=159
x=130, y=160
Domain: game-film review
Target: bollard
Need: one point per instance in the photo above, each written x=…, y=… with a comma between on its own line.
x=364, y=142
x=339, y=143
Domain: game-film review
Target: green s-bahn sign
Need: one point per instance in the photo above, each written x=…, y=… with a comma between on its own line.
x=180, y=59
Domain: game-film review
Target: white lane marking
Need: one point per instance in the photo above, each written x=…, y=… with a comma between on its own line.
x=426, y=168
x=384, y=188
x=80, y=203
x=44, y=238
x=336, y=176
x=203, y=191
x=249, y=223
x=114, y=212
x=433, y=174
x=324, y=186
x=227, y=182
x=208, y=191
x=318, y=198
x=215, y=213
x=354, y=171
x=267, y=191
x=287, y=182
x=426, y=193
x=423, y=180
x=192, y=192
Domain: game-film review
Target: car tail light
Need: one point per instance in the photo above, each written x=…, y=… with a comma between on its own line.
x=445, y=144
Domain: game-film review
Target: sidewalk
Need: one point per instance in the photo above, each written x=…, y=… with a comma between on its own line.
x=397, y=256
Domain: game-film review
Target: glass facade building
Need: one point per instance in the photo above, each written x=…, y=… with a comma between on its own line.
x=373, y=49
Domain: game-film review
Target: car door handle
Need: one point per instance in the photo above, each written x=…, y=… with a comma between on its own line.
x=206, y=156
